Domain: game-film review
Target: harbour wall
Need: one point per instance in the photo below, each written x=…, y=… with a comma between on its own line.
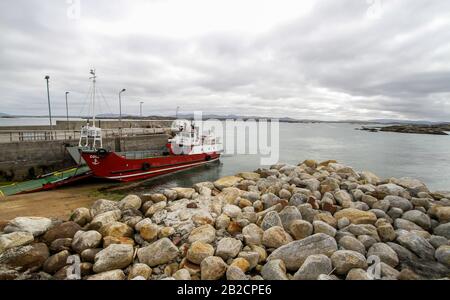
x=25, y=160
x=104, y=124
x=110, y=124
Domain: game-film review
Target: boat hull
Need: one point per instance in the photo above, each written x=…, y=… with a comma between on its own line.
x=112, y=166
x=47, y=182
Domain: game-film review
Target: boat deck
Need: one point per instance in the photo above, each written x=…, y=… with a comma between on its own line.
x=141, y=154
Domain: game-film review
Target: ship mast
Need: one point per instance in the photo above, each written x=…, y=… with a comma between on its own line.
x=93, y=95
x=91, y=136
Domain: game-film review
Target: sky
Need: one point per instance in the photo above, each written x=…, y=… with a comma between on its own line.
x=323, y=59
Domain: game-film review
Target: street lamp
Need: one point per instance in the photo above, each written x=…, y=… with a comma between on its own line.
x=49, y=108
x=176, y=114
x=141, y=107
x=67, y=111
x=120, y=107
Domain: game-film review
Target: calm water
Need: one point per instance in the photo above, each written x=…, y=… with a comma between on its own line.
x=425, y=157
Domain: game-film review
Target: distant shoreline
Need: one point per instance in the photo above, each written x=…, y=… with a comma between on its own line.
x=222, y=118
x=436, y=129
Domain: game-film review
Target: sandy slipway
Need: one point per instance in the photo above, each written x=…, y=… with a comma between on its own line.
x=321, y=221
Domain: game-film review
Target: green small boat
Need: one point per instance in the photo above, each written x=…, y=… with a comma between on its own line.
x=47, y=182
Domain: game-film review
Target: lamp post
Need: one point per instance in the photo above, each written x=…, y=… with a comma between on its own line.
x=67, y=111
x=141, y=107
x=49, y=107
x=176, y=113
x=120, y=107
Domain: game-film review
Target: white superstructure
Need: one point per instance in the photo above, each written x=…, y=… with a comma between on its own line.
x=188, y=140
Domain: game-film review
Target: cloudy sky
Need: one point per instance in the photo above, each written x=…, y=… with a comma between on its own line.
x=346, y=59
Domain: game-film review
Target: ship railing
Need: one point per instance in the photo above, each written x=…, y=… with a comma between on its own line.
x=140, y=154
x=14, y=136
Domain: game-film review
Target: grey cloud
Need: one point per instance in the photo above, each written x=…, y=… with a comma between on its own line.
x=332, y=63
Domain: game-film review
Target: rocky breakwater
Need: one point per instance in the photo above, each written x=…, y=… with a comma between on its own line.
x=312, y=221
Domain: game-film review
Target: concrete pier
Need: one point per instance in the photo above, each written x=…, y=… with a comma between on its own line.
x=21, y=135
x=25, y=160
x=114, y=124
x=29, y=151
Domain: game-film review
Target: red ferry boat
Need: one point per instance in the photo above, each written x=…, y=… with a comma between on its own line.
x=136, y=165
x=187, y=149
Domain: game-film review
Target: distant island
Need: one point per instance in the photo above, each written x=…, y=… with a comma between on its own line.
x=394, y=125
x=436, y=129
x=3, y=115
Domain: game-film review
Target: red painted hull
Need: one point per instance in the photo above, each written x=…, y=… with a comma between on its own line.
x=110, y=165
